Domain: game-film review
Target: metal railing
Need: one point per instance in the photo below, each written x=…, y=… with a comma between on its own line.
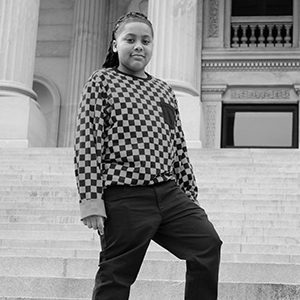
x=261, y=32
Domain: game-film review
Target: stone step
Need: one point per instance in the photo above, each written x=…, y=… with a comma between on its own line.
x=47, y=197
x=206, y=156
x=208, y=183
x=256, y=208
x=151, y=269
x=228, y=206
x=40, y=192
x=236, y=168
x=279, y=240
x=248, y=190
x=204, y=187
x=265, y=227
x=214, y=214
x=33, y=298
x=24, y=237
x=258, y=223
x=92, y=245
x=38, y=201
x=55, y=222
x=231, y=164
x=45, y=184
x=251, y=195
x=71, y=195
x=17, y=288
x=235, y=171
x=225, y=192
x=55, y=216
x=82, y=235
x=73, y=205
x=41, y=219
x=282, y=199
x=214, y=154
x=77, y=230
x=87, y=243
x=38, y=188
x=151, y=254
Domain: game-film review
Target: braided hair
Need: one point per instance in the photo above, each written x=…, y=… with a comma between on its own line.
x=112, y=59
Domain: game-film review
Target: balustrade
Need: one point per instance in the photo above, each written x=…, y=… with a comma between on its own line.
x=261, y=32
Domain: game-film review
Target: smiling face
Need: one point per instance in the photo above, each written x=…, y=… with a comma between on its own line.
x=134, y=44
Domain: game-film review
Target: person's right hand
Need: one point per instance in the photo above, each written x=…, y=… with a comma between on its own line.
x=95, y=222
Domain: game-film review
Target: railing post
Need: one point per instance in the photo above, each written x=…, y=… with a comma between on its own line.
x=235, y=37
x=244, y=36
x=288, y=38
x=261, y=38
x=270, y=39
x=252, y=36
x=278, y=38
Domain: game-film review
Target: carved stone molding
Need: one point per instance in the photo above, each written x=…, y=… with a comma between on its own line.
x=213, y=22
x=210, y=113
x=297, y=89
x=261, y=94
x=13, y=87
x=217, y=89
x=250, y=65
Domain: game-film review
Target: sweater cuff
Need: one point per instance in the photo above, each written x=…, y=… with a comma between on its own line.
x=92, y=207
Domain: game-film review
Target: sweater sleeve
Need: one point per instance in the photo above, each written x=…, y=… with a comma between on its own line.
x=88, y=137
x=182, y=167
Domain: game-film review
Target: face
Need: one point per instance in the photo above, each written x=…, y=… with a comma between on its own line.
x=134, y=44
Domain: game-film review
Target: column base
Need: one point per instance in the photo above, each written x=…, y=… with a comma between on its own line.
x=22, y=124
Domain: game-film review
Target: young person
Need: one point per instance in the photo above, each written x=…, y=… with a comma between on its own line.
x=134, y=178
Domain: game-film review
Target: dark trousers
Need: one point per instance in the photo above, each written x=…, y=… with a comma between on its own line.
x=163, y=213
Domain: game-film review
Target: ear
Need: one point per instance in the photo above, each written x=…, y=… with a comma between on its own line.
x=114, y=46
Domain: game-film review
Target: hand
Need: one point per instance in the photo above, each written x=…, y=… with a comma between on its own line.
x=95, y=222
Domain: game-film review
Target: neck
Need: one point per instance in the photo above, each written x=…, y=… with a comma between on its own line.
x=141, y=74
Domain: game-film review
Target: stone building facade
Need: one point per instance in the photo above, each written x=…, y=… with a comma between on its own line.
x=234, y=67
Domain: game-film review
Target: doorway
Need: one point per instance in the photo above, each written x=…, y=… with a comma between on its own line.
x=259, y=126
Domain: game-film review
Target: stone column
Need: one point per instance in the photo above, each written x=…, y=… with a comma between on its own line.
x=177, y=57
x=212, y=97
x=88, y=51
x=21, y=122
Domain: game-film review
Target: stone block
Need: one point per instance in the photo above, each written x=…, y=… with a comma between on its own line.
x=58, y=16
x=55, y=33
x=21, y=131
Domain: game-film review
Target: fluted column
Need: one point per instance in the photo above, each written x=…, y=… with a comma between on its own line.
x=88, y=48
x=176, y=57
x=18, y=33
x=19, y=112
x=175, y=27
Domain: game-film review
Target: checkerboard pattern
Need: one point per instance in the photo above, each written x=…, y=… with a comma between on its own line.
x=128, y=133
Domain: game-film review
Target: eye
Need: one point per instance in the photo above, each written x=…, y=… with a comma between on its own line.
x=146, y=42
x=130, y=40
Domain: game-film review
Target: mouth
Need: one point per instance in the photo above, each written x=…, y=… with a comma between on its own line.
x=138, y=55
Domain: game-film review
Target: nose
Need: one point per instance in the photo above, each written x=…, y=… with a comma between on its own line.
x=138, y=46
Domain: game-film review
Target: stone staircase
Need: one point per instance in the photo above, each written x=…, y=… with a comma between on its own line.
x=251, y=196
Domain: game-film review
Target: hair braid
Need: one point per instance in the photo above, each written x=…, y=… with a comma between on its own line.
x=112, y=59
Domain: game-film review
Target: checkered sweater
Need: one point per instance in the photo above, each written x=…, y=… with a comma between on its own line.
x=128, y=133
